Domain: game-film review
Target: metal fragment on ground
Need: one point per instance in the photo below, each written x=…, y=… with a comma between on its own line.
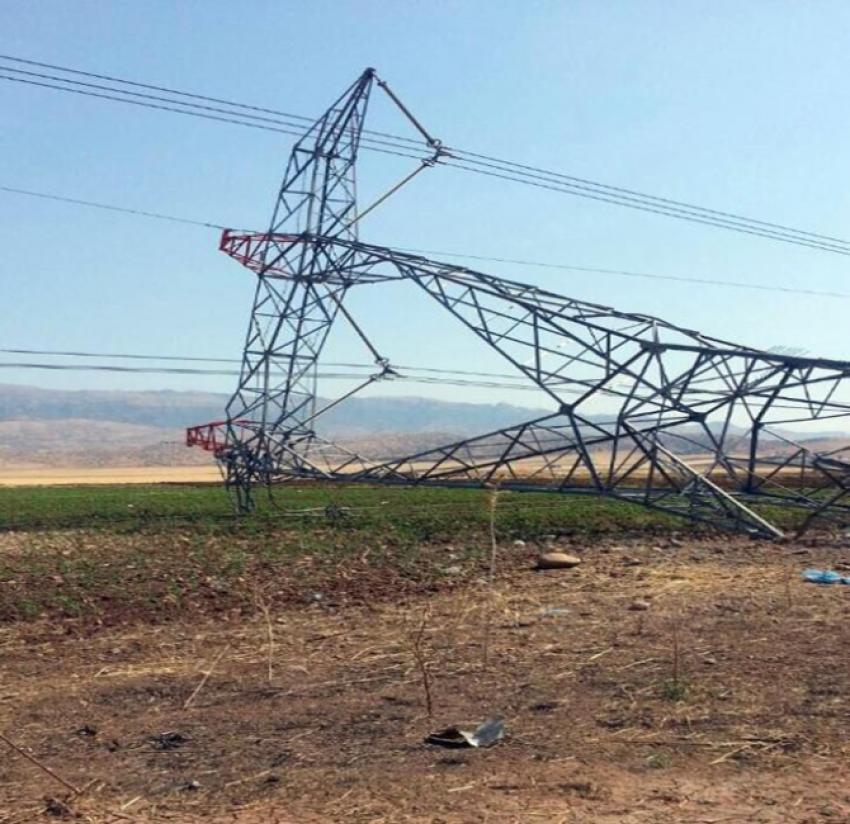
x=485, y=735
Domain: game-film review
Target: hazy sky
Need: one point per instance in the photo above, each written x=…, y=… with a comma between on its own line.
x=737, y=106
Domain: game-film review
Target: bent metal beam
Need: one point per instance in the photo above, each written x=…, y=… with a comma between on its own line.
x=641, y=409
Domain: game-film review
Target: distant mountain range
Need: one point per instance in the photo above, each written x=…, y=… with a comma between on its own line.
x=181, y=409
x=119, y=428
x=110, y=427
x=160, y=408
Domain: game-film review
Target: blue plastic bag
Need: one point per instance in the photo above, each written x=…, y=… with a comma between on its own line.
x=824, y=576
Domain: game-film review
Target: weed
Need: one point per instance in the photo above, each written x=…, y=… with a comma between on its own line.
x=674, y=689
x=69, y=604
x=659, y=761
x=420, y=656
x=235, y=563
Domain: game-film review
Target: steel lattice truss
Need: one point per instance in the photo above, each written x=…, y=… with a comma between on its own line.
x=642, y=410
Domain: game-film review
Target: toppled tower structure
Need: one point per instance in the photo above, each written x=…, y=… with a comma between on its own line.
x=641, y=410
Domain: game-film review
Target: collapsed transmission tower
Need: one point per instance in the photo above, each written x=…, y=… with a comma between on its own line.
x=641, y=410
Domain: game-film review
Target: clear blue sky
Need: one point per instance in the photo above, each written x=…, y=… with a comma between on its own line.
x=739, y=106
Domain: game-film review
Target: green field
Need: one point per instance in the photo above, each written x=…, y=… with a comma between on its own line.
x=416, y=513
x=115, y=554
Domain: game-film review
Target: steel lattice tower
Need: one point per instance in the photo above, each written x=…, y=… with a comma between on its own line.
x=642, y=410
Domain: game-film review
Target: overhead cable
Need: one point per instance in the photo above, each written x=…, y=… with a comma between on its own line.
x=234, y=112
x=190, y=358
x=561, y=266
x=59, y=367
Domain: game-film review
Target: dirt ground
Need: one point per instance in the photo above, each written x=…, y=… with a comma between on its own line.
x=16, y=474
x=688, y=681
x=61, y=476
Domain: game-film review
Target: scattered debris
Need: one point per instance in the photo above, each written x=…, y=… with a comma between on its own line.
x=554, y=612
x=565, y=742
x=486, y=735
x=639, y=605
x=191, y=785
x=544, y=706
x=169, y=741
x=86, y=731
x=557, y=560
x=56, y=808
x=824, y=576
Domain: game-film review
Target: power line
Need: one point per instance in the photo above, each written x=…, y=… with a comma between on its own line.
x=191, y=358
x=178, y=107
x=195, y=96
x=244, y=114
x=661, y=200
x=398, y=138
x=462, y=380
x=626, y=273
x=554, y=182
x=61, y=367
x=120, y=355
x=111, y=208
x=491, y=259
x=603, y=196
x=504, y=170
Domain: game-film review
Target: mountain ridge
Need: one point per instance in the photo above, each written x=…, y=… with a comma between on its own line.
x=174, y=408
x=81, y=427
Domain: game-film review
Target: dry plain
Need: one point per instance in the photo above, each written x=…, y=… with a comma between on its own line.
x=283, y=674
